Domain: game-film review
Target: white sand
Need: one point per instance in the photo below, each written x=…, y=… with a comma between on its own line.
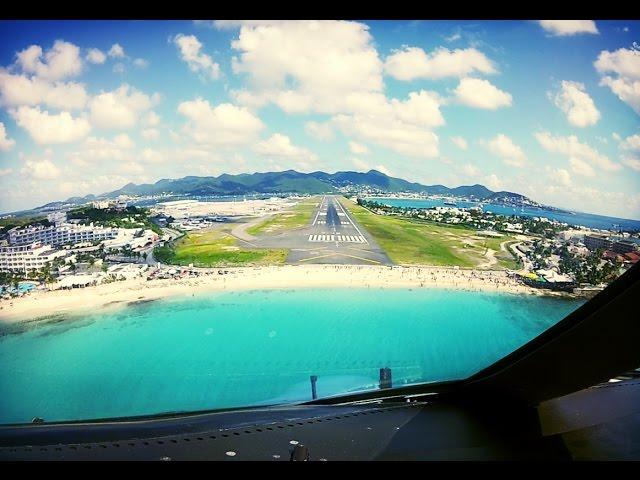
x=117, y=294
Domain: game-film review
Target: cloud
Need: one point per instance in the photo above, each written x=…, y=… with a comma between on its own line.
x=581, y=167
x=279, y=145
x=400, y=125
x=363, y=166
x=45, y=128
x=493, y=182
x=460, y=142
x=320, y=131
x=151, y=119
x=478, y=93
x=6, y=143
x=632, y=161
x=306, y=66
x=149, y=155
x=223, y=125
x=631, y=148
x=576, y=104
x=413, y=62
x=582, y=157
x=150, y=134
x=95, y=149
x=632, y=142
x=470, y=170
x=120, y=108
x=562, y=177
x=116, y=51
x=564, y=28
x=510, y=153
x=392, y=133
x=40, y=169
x=358, y=148
x=17, y=90
x=119, y=68
x=141, y=63
x=5, y=171
x=625, y=83
x=198, y=62
x=96, y=56
x=123, y=140
x=61, y=61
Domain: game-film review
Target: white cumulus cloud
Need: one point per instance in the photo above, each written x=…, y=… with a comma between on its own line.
x=191, y=53
x=95, y=55
x=413, y=62
x=358, y=148
x=576, y=104
x=61, y=61
x=306, y=66
x=279, y=145
x=510, y=153
x=460, y=142
x=620, y=71
x=582, y=157
x=478, y=93
x=320, y=131
x=17, y=90
x=45, y=128
x=564, y=28
x=116, y=51
x=223, y=125
x=120, y=108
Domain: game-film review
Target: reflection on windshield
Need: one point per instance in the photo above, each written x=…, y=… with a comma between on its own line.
x=269, y=212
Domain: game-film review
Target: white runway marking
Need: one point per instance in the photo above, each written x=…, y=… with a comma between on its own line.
x=328, y=238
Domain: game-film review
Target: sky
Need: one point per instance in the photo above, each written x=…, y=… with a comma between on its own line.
x=549, y=109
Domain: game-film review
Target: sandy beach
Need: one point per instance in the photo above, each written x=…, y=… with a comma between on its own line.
x=118, y=294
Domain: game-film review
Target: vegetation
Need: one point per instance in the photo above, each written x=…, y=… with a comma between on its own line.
x=7, y=224
x=415, y=241
x=130, y=217
x=298, y=217
x=215, y=248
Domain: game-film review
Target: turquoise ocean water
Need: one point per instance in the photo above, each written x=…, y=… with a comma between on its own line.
x=231, y=349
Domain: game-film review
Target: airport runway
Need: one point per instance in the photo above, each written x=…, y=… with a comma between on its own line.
x=333, y=237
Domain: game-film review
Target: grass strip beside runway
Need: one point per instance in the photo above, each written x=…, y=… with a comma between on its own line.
x=298, y=217
x=417, y=242
x=216, y=248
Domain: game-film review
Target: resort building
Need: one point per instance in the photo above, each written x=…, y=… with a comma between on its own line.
x=25, y=258
x=133, y=238
x=594, y=242
x=57, y=217
x=60, y=234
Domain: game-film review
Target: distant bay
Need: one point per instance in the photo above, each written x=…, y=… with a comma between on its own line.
x=576, y=218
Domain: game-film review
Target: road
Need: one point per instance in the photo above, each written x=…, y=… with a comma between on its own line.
x=333, y=237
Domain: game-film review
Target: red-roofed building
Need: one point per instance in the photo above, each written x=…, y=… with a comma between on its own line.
x=610, y=255
x=632, y=257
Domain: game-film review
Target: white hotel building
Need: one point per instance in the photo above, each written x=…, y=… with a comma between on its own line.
x=24, y=258
x=60, y=234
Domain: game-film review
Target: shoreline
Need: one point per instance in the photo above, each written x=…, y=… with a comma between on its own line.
x=121, y=294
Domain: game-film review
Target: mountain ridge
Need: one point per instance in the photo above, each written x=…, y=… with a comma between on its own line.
x=293, y=182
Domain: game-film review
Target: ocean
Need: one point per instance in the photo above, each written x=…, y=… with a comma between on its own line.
x=232, y=349
x=576, y=218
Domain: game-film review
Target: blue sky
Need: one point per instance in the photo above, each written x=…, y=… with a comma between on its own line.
x=549, y=109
